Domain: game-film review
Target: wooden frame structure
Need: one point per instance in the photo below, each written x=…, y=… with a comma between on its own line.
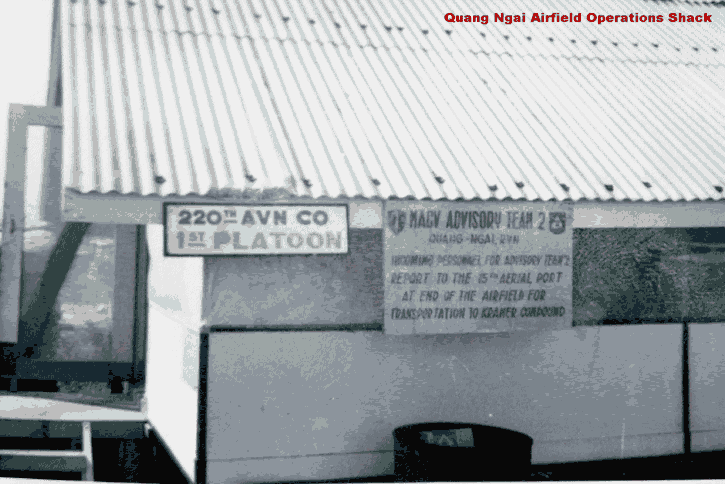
x=22, y=415
x=20, y=118
x=129, y=298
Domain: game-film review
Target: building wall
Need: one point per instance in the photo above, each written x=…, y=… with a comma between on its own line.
x=323, y=404
x=174, y=324
x=297, y=290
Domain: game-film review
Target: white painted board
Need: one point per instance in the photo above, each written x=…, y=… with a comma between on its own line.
x=226, y=230
x=477, y=267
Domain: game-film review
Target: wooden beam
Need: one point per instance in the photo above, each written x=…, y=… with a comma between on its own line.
x=49, y=116
x=39, y=305
x=43, y=460
x=52, y=180
x=368, y=214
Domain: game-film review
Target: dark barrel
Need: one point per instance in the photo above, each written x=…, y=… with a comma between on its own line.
x=447, y=451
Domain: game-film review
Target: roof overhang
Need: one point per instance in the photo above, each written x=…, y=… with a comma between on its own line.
x=368, y=214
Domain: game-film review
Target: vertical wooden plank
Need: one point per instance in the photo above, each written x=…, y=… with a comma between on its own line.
x=50, y=202
x=88, y=451
x=124, y=292
x=141, y=321
x=51, y=199
x=11, y=258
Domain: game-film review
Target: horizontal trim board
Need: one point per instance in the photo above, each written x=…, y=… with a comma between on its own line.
x=45, y=481
x=360, y=465
x=72, y=370
x=38, y=115
x=128, y=209
x=295, y=328
x=16, y=407
x=72, y=430
x=45, y=460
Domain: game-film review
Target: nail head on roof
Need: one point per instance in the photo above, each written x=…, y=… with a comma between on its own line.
x=250, y=178
x=338, y=25
x=493, y=188
x=307, y=182
x=400, y=29
x=311, y=21
x=718, y=188
x=285, y=19
x=483, y=34
x=528, y=38
x=695, y=49
x=375, y=181
x=130, y=3
x=594, y=42
x=615, y=44
x=655, y=45
x=388, y=28
x=635, y=44
x=425, y=32
x=551, y=39
x=610, y=188
x=363, y=26
x=565, y=187
x=188, y=8
x=520, y=184
x=159, y=179
x=506, y=37
x=647, y=184
x=449, y=32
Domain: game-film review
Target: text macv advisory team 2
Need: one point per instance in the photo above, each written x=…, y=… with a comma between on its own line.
x=577, y=17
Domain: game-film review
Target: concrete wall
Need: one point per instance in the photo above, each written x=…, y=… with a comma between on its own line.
x=172, y=378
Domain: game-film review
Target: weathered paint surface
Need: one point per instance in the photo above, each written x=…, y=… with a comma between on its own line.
x=295, y=290
x=577, y=392
x=175, y=293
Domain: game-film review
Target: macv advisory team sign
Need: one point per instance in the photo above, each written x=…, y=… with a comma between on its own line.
x=228, y=230
x=477, y=267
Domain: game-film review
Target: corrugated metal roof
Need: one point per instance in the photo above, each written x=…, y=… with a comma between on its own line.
x=371, y=98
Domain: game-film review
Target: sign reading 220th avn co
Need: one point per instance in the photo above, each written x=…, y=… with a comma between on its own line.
x=227, y=230
x=477, y=267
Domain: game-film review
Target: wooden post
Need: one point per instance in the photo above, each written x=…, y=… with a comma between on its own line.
x=124, y=289
x=140, y=326
x=11, y=258
x=88, y=451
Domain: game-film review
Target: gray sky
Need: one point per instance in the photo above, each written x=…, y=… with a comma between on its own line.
x=25, y=31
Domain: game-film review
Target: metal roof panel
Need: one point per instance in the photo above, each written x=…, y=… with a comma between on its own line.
x=336, y=98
